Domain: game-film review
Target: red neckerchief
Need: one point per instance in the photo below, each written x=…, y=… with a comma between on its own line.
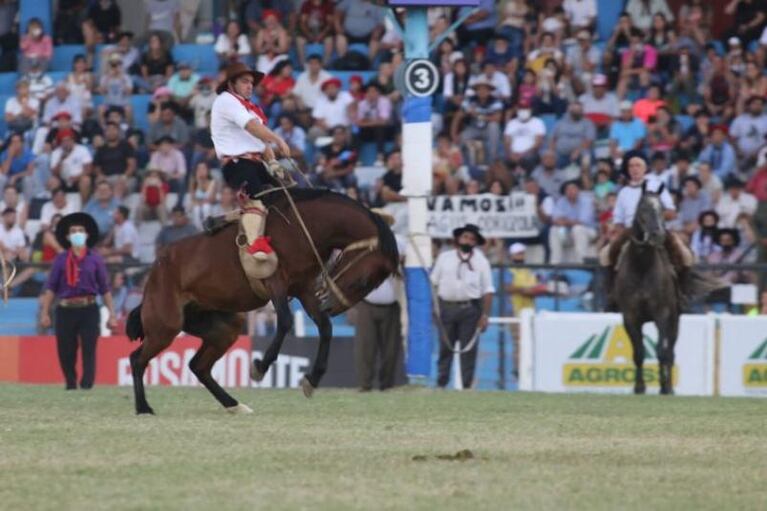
x=73, y=266
x=251, y=107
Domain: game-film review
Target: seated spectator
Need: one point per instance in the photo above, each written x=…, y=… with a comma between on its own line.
x=455, y=86
x=315, y=26
x=72, y=163
x=308, y=88
x=58, y=205
x=255, y=13
x=627, y=132
x=152, y=197
x=642, y=11
x=528, y=89
x=392, y=179
x=335, y=167
x=734, y=203
x=753, y=84
x=703, y=239
x=719, y=154
x=680, y=171
x=663, y=132
x=712, y=185
x=227, y=202
x=500, y=53
x=122, y=244
x=548, y=177
x=523, y=138
x=102, y=207
x=232, y=45
x=374, y=119
x=13, y=245
x=115, y=160
x=201, y=103
x=490, y=74
x=573, y=224
x=202, y=193
x=384, y=78
x=129, y=54
x=14, y=200
x=358, y=21
x=729, y=252
x=80, y=83
x=156, y=65
x=584, y=60
x=16, y=161
x=647, y=107
x=581, y=14
x=479, y=26
x=599, y=105
x=332, y=109
x=168, y=125
x=276, y=86
x=116, y=87
x=446, y=161
x=160, y=96
x=748, y=131
x=179, y=228
x=62, y=101
x=694, y=202
x=21, y=110
x=696, y=136
x=164, y=19
x=637, y=61
x=272, y=42
x=170, y=162
x=548, y=50
x=40, y=83
x=482, y=115
x=67, y=21
x=106, y=18
x=604, y=185
x=36, y=47
x=293, y=135
x=573, y=136
x=718, y=90
x=45, y=246
x=182, y=84
x=748, y=19
x=513, y=24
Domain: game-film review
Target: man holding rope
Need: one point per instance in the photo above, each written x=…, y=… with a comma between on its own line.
x=243, y=142
x=464, y=286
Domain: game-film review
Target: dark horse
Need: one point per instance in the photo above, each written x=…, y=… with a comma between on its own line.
x=649, y=288
x=197, y=285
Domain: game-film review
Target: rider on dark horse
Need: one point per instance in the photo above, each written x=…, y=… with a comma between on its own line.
x=243, y=143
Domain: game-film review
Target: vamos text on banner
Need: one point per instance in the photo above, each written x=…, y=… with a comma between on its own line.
x=510, y=216
x=593, y=353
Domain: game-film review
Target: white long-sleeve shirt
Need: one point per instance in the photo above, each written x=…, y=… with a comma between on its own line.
x=458, y=280
x=628, y=200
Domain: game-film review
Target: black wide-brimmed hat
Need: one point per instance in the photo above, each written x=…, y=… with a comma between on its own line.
x=81, y=219
x=233, y=71
x=472, y=229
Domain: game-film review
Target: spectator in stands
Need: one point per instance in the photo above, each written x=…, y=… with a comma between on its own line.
x=479, y=26
x=647, y=106
x=748, y=132
x=548, y=50
x=719, y=153
x=719, y=87
x=232, y=45
x=170, y=162
x=391, y=182
x=128, y=52
x=272, y=42
x=116, y=88
x=513, y=24
x=308, y=86
x=21, y=110
x=40, y=84
x=227, y=202
x=679, y=171
x=58, y=205
x=115, y=160
x=490, y=74
x=202, y=193
x=627, y=132
x=178, y=229
x=384, y=78
x=373, y=117
x=712, y=185
x=583, y=61
x=642, y=11
x=16, y=161
x=698, y=134
x=446, y=161
x=277, y=86
x=332, y=109
x=482, y=114
x=14, y=200
x=62, y=101
x=703, y=239
x=694, y=202
x=160, y=96
x=102, y=206
x=182, y=84
x=107, y=18
x=335, y=168
x=358, y=21
x=293, y=135
x=255, y=13
x=36, y=47
x=752, y=84
x=581, y=14
x=600, y=105
x=749, y=19
x=122, y=243
x=663, y=131
x=164, y=19
x=201, y=103
x=316, y=21
x=574, y=224
x=734, y=203
x=729, y=252
x=13, y=242
x=80, y=83
x=573, y=137
x=72, y=163
x=548, y=177
x=523, y=138
x=637, y=64
x=156, y=64
x=152, y=197
x=168, y=125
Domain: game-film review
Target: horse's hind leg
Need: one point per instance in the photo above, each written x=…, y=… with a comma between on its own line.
x=322, y=319
x=634, y=330
x=667, y=334
x=153, y=344
x=284, y=324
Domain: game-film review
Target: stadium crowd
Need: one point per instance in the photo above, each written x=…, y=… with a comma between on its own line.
x=531, y=100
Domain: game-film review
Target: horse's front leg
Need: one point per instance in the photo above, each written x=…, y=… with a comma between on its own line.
x=667, y=340
x=284, y=324
x=634, y=330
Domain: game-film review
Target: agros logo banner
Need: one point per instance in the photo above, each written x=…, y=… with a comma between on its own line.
x=593, y=353
x=755, y=369
x=743, y=352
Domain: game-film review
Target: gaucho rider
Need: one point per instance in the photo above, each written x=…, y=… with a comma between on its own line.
x=243, y=144
x=625, y=210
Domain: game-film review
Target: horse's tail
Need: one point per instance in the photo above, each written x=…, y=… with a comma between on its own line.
x=695, y=285
x=133, y=326
x=386, y=241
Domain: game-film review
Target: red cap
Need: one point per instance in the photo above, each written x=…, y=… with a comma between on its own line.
x=62, y=134
x=355, y=79
x=524, y=103
x=271, y=12
x=331, y=81
x=62, y=115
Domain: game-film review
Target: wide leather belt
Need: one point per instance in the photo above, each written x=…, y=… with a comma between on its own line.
x=77, y=301
x=245, y=156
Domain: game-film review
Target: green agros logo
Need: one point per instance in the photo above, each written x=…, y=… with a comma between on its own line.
x=755, y=368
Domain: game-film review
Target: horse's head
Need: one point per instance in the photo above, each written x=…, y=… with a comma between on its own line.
x=649, y=226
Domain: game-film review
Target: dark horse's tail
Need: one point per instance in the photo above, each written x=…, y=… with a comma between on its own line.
x=695, y=285
x=386, y=240
x=133, y=326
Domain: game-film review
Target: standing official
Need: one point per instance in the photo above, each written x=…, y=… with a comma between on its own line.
x=465, y=290
x=78, y=274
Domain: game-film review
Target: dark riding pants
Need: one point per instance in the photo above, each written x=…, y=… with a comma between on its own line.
x=460, y=322
x=73, y=323
x=248, y=175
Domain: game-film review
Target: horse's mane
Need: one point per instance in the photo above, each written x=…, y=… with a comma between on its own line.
x=387, y=242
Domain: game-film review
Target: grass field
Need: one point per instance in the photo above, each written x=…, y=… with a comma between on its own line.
x=344, y=450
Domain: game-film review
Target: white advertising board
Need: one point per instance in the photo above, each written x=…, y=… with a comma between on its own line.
x=743, y=356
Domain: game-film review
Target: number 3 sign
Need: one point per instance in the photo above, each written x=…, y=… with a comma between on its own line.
x=421, y=78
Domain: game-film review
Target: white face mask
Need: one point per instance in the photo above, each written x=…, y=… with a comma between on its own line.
x=524, y=114
x=36, y=32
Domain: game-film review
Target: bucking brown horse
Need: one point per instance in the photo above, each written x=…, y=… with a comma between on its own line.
x=197, y=285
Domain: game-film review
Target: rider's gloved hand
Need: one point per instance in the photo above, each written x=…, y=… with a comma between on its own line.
x=275, y=169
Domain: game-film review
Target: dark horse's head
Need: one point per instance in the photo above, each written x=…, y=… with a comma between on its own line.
x=649, y=227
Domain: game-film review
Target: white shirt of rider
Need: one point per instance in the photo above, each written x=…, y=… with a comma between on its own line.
x=628, y=200
x=228, y=119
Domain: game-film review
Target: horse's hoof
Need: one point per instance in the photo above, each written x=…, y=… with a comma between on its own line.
x=145, y=411
x=307, y=387
x=666, y=392
x=255, y=372
x=639, y=389
x=239, y=409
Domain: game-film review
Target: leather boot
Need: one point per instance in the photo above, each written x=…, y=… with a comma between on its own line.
x=253, y=222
